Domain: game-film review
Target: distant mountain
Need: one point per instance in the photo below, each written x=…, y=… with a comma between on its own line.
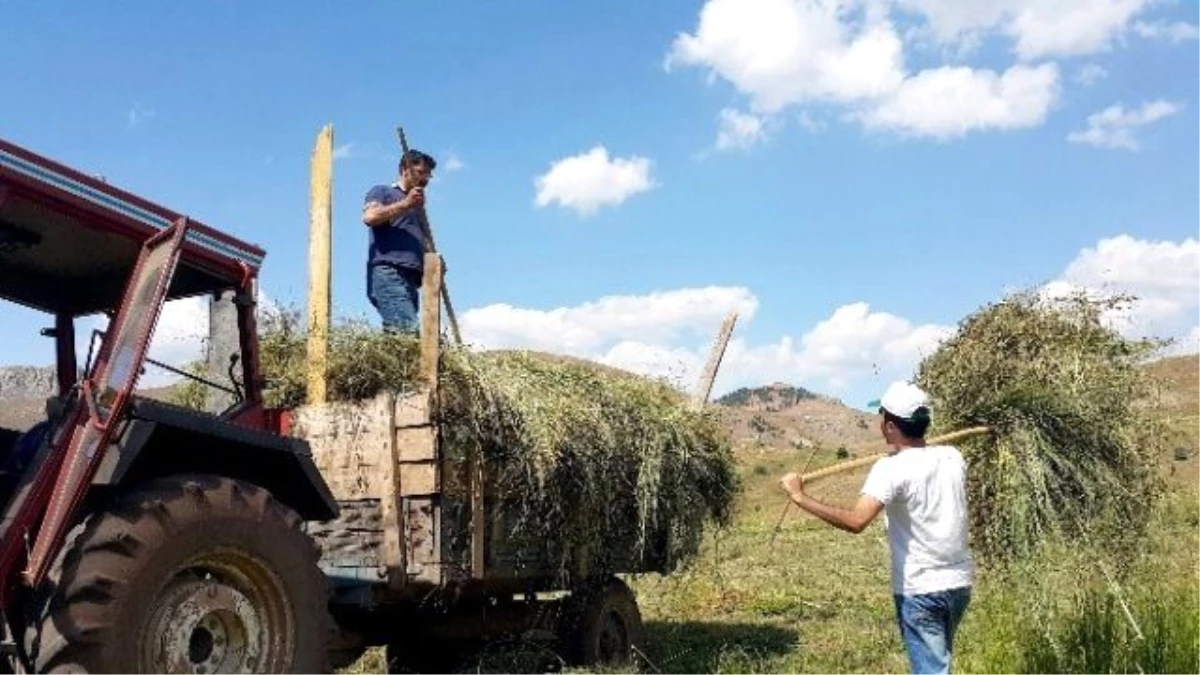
x=776, y=396
x=781, y=416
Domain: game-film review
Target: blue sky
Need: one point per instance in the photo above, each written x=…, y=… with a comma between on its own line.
x=853, y=177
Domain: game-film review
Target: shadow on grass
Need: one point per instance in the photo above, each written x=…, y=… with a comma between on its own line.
x=710, y=647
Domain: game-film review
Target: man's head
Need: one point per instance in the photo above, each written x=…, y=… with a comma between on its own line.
x=905, y=413
x=416, y=168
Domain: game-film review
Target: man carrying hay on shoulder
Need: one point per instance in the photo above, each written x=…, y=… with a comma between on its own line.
x=923, y=489
x=396, y=255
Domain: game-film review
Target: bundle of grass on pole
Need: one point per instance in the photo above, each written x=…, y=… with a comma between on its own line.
x=1070, y=456
x=598, y=466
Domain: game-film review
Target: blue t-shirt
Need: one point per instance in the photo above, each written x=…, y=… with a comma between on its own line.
x=400, y=242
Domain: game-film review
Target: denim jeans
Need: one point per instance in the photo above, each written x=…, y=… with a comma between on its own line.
x=393, y=292
x=927, y=626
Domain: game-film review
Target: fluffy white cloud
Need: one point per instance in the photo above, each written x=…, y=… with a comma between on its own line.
x=669, y=334
x=591, y=180
x=1069, y=27
x=739, y=130
x=1112, y=128
x=850, y=55
x=1036, y=28
x=780, y=52
x=593, y=326
x=949, y=101
x=1164, y=276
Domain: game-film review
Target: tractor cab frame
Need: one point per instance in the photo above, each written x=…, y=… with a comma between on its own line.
x=72, y=246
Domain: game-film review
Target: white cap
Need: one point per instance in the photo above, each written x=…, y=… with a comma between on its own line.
x=902, y=399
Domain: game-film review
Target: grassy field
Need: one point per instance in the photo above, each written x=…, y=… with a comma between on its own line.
x=817, y=600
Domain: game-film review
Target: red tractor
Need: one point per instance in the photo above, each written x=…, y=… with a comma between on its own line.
x=139, y=536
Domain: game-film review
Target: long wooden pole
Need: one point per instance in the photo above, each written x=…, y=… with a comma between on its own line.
x=867, y=461
x=704, y=388
x=431, y=247
x=319, y=247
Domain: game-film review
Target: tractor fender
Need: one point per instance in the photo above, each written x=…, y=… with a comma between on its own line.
x=160, y=439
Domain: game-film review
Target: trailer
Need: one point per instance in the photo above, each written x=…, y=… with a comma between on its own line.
x=421, y=558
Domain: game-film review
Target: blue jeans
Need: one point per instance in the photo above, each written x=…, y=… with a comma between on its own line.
x=927, y=626
x=393, y=292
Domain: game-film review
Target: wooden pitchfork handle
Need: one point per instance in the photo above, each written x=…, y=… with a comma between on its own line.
x=867, y=461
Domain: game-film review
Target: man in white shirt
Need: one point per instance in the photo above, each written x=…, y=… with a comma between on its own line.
x=923, y=489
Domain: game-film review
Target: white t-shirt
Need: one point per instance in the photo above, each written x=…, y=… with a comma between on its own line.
x=925, y=494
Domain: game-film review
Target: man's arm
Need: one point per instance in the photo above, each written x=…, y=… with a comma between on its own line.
x=854, y=520
x=375, y=213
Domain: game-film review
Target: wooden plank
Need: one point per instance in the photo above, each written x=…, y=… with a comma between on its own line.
x=431, y=321
x=478, y=535
x=416, y=444
x=353, y=446
x=418, y=479
x=319, y=228
x=704, y=388
x=413, y=410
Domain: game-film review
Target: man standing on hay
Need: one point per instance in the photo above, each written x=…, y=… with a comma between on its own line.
x=923, y=489
x=395, y=258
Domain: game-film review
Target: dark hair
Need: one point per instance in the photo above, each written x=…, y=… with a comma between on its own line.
x=416, y=157
x=913, y=428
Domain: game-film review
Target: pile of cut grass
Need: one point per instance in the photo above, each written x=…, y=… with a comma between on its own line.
x=601, y=470
x=1071, y=456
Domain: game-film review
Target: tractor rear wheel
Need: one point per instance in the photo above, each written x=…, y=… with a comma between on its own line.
x=192, y=574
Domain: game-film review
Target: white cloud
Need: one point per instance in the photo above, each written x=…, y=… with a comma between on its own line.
x=739, y=130
x=1112, y=128
x=1178, y=31
x=781, y=52
x=1090, y=74
x=668, y=334
x=1069, y=27
x=1164, y=276
x=950, y=101
x=594, y=326
x=1036, y=28
x=850, y=54
x=344, y=151
x=591, y=180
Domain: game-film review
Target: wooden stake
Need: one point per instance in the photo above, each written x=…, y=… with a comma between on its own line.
x=431, y=321
x=704, y=388
x=319, y=247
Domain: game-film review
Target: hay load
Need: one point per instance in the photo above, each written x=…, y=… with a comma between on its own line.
x=598, y=464
x=1071, y=453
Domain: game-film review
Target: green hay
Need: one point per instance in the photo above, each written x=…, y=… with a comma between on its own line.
x=601, y=469
x=1071, y=456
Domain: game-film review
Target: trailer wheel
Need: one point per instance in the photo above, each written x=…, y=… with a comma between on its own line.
x=602, y=625
x=195, y=574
